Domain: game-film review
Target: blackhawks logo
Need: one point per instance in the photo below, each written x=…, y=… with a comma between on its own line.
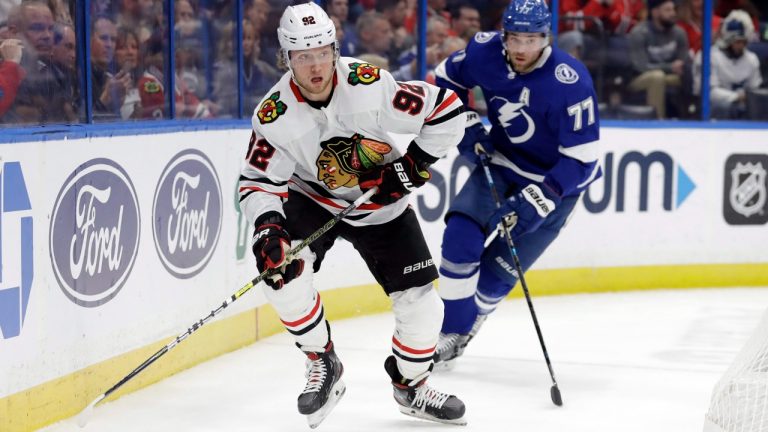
x=152, y=87
x=343, y=159
x=271, y=109
x=363, y=73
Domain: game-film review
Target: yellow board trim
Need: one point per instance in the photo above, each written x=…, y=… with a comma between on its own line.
x=66, y=396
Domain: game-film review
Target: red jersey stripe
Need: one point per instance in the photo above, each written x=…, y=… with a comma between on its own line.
x=411, y=350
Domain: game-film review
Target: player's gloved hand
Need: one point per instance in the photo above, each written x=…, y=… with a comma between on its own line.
x=526, y=210
x=271, y=242
x=399, y=177
x=476, y=139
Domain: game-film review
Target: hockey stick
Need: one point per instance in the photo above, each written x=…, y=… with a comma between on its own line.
x=504, y=231
x=84, y=416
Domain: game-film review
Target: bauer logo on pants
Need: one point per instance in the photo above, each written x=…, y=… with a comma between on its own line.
x=186, y=214
x=745, y=190
x=94, y=235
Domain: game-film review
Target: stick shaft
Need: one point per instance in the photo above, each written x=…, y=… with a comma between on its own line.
x=236, y=295
x=505, y=232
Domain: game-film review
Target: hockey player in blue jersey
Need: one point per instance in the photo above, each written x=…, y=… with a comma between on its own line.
x=543, y=143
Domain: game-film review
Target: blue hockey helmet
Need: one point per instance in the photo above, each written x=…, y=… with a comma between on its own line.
x=527, y=16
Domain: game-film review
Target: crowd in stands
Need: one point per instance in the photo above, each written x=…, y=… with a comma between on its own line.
x=645, y=55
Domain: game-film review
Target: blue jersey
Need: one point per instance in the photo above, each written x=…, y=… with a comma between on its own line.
x=544, y=124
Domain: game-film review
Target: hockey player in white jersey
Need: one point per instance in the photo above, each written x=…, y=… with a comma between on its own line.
x=319, y=142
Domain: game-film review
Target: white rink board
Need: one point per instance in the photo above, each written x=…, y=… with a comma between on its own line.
x=59, y=336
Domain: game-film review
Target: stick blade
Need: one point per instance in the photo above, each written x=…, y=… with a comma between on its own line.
x=556, y=398
x=85, y=415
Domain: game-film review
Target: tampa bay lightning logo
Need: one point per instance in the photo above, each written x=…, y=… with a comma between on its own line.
x=483, y=37
x=509, y=113
x=565, y=74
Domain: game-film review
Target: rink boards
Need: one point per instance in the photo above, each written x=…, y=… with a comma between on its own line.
x=111, y=245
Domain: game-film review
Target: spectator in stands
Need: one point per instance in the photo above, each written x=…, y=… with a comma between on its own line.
x=437, y=32
x=257, y=12
x=36, y=21
x=624, y=15
x=465, y=21
x=374, y=34
x=434, y=8
x=64, y=60
x=109, y=86
x=258, y=76
x=64, y=46
x=61, y=11
x=11, y=73
x=101, y=7
x=580, y=34
x=449, y=45
x=150, y=84
x=340, y=10
x=724, y=7
x=44, y=96
x=140, y=16
x=395, y=12
x=127, y=59
x=187, y=25
x=659, y=54
x=691, y=20
x=616, y=16
x=735, y=70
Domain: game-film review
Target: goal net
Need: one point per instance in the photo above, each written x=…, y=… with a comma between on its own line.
x=740, y=399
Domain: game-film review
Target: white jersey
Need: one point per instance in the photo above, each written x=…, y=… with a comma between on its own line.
x=321, y=153
x=729, y=75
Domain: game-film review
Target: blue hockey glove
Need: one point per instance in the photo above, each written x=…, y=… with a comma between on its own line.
x=526, y=210
x=475, y=135
x=271, y=242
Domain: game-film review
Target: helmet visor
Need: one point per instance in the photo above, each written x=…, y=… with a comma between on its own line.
x=313, y=56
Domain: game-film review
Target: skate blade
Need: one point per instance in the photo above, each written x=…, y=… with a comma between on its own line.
x=444, y=366
x=318, y=416
x=413, y=412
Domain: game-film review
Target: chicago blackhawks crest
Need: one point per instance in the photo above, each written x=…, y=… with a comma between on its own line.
x=271, y=108
x=363, y=73
x=343, y=159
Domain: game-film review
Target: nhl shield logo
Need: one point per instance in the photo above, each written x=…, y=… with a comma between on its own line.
x=746, y=190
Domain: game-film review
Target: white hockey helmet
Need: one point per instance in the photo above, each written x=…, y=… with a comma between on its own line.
x=305, y=26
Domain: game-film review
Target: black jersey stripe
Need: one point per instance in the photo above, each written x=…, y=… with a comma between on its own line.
x=263, y=180
x=446, y=117
x=314, y=324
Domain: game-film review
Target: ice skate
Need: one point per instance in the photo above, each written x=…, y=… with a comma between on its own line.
x=417, y=399
x=324, y=385
x=450, y=346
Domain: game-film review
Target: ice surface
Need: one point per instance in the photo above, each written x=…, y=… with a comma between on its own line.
x=630, y=362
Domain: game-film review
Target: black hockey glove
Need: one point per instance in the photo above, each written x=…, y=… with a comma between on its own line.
x=399, y=177
x=271, y=242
